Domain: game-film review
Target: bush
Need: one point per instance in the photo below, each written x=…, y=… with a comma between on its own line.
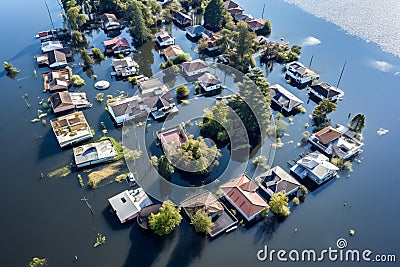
x=8, y=67
x=77, y=81
x=182, y=91
x=202, y=222
x=279, y=204
x=166, y=220
x=97, y=54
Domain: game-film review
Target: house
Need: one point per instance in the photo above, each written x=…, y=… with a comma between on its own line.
x=94, y=153
x=194, y=67
x=171, y=52
x=63, y=101
x=283, y=98
x=157, y=103
x=109, y=22
x=210, y=38
x=323, y=90
x=338, y=142
x=262, y=40
x=235, y=11
x=71, y=129
x=50, y=46
x=172, y=138
x=127, y=204
x=230, y=4
x=277, y=180
x=255, y=24
x=125, y=67
x=164, y=39
x=195, y=31
x=118, y=45
x=57, y=80
x=45, y=36
x=241, y=194
x=182, y=19
x=210, y=84
x=243, y=17
x=221, y=217
x=55, y=58
x=300, y=73
x=152, y=84
x=315, y=166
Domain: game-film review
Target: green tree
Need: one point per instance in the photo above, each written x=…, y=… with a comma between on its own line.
x=77, y=81
x=97, y=54
x=202, y=222
x=87, y=60
x=279, y=204
x=165, y=168
x=196, y=156
x=77, y=39
x=9, y=68
x=181, y=58
x=321, y=110
x=139, y=30
x=303, y=190
x=75, y=18
x=166, y=220
x=214, y=15
x=182, y=91
x=357, y=123
x=267, y=28
x=215, y=122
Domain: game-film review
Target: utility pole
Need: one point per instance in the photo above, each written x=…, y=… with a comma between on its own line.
x=341, y=74
x=48, y=11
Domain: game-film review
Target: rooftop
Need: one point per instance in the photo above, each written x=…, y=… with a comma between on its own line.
x=62, y=101
x=94, y=152
x=208, y=79
x=172, y=51
x=171, y=138
x=277, y=180
x=284, y=97
x=129, y=203
x=326, y=90
x=194, y=65
x=327, y=135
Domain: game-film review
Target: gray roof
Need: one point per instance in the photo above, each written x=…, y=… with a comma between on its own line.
x=276, y=180
x=197, y=29
x=194, y=65
x=209, y=79
x=284, y=97
x=326, y=90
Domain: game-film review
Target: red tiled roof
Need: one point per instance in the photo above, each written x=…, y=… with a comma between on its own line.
x=241, y=192
x=255, y=23
x=172, y=51
x=327, y=135
x=116, y=42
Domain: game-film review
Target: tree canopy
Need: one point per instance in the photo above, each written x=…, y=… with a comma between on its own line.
x=214, y=15
x=139, y=30
x=321, y=110
x=166, y=220
x=357, y=123
x=202, y=222
x=165, y=168
x=182, y=91
x=77, y=81
x=279, y=204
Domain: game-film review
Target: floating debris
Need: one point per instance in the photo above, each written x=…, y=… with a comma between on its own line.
x=382, y=131
x=290, y=142
x=35, y=120
x=352, y=232
x=44, y=122
x=42, y=115
x=80, y=179
x=306, y=125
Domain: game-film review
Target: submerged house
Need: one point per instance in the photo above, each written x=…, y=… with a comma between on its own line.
x=164, y=39
x=195, y=31
x=211, y=39
x=323, y=91
x=55, y=59
x=277, y=180
x=158, y=104
x=50, y=46
x=241, y=193
x=182, y=19
x=300, y=73
x=171, y=52
x=194, y=67
x=315, y=166
x=127, y=204
x=283, y=98
x=109, y=22
x=172, y=138
x=152, y=84
x=243, y=17
x=255, y=24
x=338, y=142
x=118, y=45
x=125, y=67
x=94, y=153
x=57, y=80
x=64, y=101
x=207, y=202
x=71, y=129
x=209, y=84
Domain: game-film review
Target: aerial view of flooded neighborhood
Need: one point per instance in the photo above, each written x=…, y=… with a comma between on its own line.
x=200, y=133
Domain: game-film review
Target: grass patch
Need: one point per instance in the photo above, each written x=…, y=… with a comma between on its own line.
x=61, y=172
x=104, y=173
x=80, y=179
x=121, y=177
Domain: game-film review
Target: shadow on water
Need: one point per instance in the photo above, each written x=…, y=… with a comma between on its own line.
x=146, y=247
x=49, y=146
x=189, y=247
x=113, y=222
x=26, y=51
x=266, y=229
